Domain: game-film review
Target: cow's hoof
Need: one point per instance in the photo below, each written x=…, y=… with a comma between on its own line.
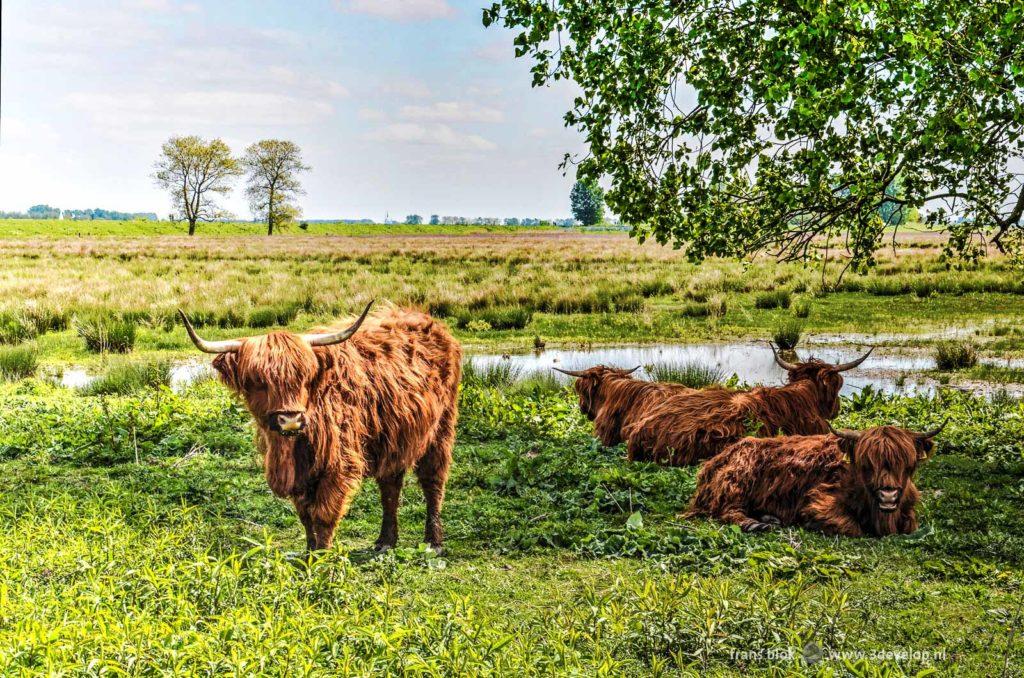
x=382, y=547
x=438, y=549
x=755, y=526
x=770, y=519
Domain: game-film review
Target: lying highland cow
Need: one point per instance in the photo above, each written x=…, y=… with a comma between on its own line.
x=687, y=427
x=847, y=483
x=612, y=399
x=335, y=407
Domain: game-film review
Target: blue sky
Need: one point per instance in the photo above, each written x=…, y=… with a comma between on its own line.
x=399, y=105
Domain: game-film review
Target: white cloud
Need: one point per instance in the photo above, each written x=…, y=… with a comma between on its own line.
x=435, y=134
x=451, y=111
x=114, y=112
x=399, y=10
x=163, y=6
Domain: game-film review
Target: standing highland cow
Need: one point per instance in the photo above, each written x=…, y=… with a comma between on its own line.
x=848, y=483
x=687, y=427
x=334, y=407
x=612, y=399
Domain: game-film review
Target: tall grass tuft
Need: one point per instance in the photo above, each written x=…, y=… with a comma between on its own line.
x=128, y=377
x=15, y=329
x=955, y=355
x=692, y=373
x=773, y=299
x=502, y=375
x=787, y=334
x=18, y=362
x=801, y=308
x=106, y=333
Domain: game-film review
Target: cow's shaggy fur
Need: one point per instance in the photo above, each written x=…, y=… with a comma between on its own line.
x=379, y=404
x=612, y=399
x=823, y=482
x=694, y=425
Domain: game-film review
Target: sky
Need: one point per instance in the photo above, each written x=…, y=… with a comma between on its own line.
x=399, y=106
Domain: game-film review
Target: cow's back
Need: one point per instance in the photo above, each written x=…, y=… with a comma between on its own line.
x=412, y=367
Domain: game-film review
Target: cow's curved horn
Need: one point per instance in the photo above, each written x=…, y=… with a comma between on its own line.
x=789, y=367
x=624, y=372
x=853, y=363
x=226, y=346
x=571, y=373
x=845, y=433
x=934, y=432
x=337, y=337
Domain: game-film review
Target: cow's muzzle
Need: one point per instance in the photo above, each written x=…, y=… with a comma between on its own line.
x=287, y=423
x=888, y=498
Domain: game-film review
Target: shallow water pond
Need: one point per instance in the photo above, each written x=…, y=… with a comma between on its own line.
x=751, y=362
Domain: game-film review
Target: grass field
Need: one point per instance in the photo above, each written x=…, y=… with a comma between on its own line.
x=57, y=228
x=138, y=536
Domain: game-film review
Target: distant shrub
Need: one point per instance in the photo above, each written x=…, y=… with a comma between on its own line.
x=106, y=333
x=955, y=355
x=787, y=335
x=270, y=316
x=497, y=318
x=801, y=308
x=478, y=326
x=692, y=373
x=717, y=306
x=304, y=226
x=128, y=377
x=923, y=288
x=694, y=310
x=18, y=362
x=773, y=299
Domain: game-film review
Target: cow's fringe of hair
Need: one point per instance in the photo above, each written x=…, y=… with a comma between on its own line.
x=687, y=427
x=812, y=481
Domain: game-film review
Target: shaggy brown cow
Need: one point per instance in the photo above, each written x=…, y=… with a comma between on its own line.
x=847, y=483
x=331, y=410
x=612, y=399
x=687, y=427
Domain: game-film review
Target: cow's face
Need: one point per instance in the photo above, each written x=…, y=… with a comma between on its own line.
x=589, y=383
x=828, y=381
x=274, y=374
x=883, y=461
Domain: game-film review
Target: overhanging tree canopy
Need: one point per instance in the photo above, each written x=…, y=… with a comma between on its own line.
x=731, y=127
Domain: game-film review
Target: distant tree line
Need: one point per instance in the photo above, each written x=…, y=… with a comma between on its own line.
x=48, y=212
x=195, y=172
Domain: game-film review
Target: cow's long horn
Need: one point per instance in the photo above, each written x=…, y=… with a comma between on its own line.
x=625, y=372
x=337, y=337
x=789, y=367
x=226, y=346
x=853, y=363
x=934, y=432
x=852, y=436
x=571, y=373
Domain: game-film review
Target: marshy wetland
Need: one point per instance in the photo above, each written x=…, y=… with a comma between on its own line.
x=136, y=527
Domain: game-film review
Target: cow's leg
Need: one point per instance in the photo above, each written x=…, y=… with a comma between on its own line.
x=746, y=523
x=302, y=508
x=324, y=531
x=390, y=498
x=432, y=472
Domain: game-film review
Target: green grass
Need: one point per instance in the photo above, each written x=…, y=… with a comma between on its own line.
x=137, y=533
x=955, y=355
x=693, y=373
x=787, y=334
x=124, y=377
x=18, y=362
x=106, y=333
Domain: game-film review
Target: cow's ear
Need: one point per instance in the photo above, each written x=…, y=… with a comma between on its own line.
x=847, y=446
x=924, y=448
x=226, y=365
